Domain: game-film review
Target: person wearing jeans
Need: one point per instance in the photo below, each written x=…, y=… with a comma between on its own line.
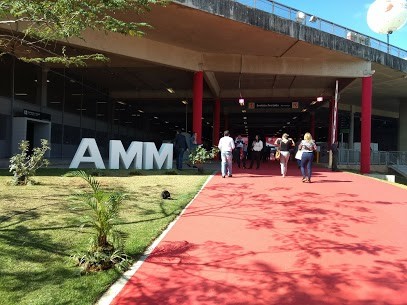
x=180, y=145
x=226, y=146
x=308, y=147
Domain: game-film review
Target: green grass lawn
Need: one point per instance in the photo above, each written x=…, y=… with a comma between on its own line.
x=39, y=231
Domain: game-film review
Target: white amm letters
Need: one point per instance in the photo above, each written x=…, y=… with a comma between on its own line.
x=139, y=155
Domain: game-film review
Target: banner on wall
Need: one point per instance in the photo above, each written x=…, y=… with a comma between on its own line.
x=270, y=140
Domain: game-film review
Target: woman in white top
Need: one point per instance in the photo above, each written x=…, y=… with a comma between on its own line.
x=284, y=143
x=308, y=147
x=257, y=147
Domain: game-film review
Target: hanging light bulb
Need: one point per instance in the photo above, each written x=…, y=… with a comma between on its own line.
x=241, y=101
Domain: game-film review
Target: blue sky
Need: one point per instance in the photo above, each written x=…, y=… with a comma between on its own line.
x=347, y=13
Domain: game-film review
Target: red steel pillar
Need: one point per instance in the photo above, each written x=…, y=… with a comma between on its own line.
x=366, y=128
x=197, y=105
x=216, y=123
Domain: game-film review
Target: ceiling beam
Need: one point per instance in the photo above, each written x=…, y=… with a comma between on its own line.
x=212, y=82
x=182, y=58
x=320, y=67
x=277, y=93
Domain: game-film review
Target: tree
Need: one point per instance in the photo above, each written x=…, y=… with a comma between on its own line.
x=45, y=25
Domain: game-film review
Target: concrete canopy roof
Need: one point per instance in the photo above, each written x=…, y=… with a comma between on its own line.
x=242, y=51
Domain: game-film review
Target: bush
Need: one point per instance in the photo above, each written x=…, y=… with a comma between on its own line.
x=200, y=155
x=93, y=261
x=24, y=165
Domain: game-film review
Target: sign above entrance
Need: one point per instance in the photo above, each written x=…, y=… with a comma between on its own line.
x=271, y=105
x=36, y=115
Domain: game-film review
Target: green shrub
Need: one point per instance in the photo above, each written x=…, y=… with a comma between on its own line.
x=200, y=155
x=24, y=165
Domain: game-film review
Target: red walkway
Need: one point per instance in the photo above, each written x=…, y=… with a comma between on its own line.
x=258, y=238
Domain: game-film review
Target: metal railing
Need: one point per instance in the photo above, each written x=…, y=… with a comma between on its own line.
x=313, y=21
x=352, y=157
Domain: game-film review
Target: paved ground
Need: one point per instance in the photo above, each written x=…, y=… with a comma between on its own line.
x=258, y=238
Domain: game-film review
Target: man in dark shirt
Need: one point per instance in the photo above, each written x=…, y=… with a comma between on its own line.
x=180, y=145
x=334, y=149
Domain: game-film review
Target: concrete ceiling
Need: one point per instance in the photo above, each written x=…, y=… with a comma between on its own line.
x=136, y=79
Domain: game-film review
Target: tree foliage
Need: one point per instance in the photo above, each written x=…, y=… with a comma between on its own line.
x=24, y=165
x=34, y=26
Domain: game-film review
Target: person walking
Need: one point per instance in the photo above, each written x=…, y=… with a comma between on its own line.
x=226, y=146
x=335, y=151
x=308, y=147
x=180, y=145
x=257, y=147
x=244, y=155
x=238, y=149
x=298, y=153
x=285, y=143
x=193, y=144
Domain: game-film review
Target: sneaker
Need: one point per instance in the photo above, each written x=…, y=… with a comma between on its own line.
x=304, y=179
x=223, y=176
x=230, y=176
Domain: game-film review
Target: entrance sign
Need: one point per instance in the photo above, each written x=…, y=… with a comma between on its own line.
x=273, y=105
x=36, y=115
x=141, y=154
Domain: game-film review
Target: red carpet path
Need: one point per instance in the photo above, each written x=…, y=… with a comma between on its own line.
x=258, y=238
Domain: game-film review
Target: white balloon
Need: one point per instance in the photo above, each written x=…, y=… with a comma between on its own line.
x=386, y=16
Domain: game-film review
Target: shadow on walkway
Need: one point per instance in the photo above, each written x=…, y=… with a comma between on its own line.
x=259, y=238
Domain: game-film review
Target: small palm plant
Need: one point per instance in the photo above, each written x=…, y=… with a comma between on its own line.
x=107, y=243
x=200, y=156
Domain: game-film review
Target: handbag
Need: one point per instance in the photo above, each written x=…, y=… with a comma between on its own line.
x=298, y=155
x=277, y=156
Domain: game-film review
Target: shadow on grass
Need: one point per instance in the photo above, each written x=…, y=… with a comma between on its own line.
x=55, y=172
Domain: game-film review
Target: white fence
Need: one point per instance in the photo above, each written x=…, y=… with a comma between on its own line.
x=323, y=25
x=352, y=157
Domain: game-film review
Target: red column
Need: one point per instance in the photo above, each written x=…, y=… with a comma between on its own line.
x=366, y=131
x=216, y=123
x=312, y=124
x=197, y=105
